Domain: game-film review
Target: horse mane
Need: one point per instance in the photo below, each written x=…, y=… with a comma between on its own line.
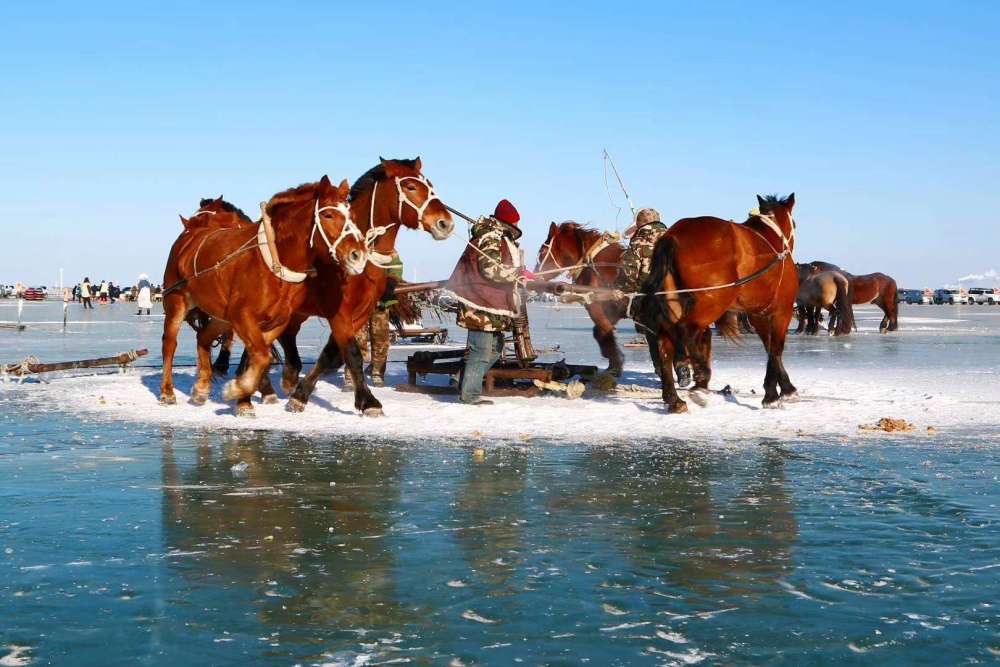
x=225, y=206
x=293, y=195
x=770, y=201
x=588, y=233
x=368, y=179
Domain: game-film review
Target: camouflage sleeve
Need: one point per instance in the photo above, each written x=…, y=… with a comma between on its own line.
x=630, y=268
x=490, y=259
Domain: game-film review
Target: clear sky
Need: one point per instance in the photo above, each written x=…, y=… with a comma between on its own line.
x=881, y=117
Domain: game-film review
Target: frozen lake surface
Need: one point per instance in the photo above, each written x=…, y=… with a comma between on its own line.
x=543, y=530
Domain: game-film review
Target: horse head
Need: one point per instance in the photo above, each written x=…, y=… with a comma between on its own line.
x=564, y=247
x=780, y=211
x=416, y=203
x=332, y=222
x=323, y=206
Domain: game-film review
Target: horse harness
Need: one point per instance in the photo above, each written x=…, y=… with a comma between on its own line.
x=264, y=240
x=381, y=260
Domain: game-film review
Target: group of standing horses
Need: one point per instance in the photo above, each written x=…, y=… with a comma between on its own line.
x=319, y=250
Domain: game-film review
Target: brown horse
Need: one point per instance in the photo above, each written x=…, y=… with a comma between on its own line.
x=590, y=258
x=828, y=290
x=215, y=214
x=231, y=275
x=876, y=288
x=703, y=267
x=391, y=195
x=879, y=289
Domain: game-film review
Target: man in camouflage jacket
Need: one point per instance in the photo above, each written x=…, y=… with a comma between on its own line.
x=484, y=283
x=636, y=262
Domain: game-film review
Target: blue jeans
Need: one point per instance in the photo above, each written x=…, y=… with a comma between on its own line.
x=484, y=349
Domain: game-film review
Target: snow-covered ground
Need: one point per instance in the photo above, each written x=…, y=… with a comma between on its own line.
x=940, y=370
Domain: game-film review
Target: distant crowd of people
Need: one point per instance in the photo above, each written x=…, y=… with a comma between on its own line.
x=142, y=293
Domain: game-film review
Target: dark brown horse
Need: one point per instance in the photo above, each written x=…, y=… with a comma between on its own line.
x=876, y=288
x=391, y=195
x=241, y=279
x=590, y=258
x=704, y=267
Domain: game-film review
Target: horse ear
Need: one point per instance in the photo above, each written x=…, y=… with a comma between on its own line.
x=790, y=200
x=184, y=221
x=552, y=229
x=760, y=201
x=417, y=164
x=344, y=189
x=389, y=167
x=219, y=199
x=325, y=181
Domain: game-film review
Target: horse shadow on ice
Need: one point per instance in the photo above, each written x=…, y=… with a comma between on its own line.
x=184, y=383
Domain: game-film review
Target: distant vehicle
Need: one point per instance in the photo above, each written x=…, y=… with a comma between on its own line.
x=911, y=296
x=34, y=294
x=982, y=296
x=952, y=296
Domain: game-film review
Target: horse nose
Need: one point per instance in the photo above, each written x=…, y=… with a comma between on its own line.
x=445, y=227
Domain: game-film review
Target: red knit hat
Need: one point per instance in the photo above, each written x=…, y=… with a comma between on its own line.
x=505, y=212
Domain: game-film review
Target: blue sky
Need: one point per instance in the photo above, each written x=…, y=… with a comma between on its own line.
x=882, y=117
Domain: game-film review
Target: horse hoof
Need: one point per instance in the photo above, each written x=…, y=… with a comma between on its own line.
x=373, y=412
x=791, y=397
x=230, y=391
x=168, y=399
x=270, y=399
x=771, y=405
x=198, y=398
x=295, y=405
x=245, y=411
x=677, y=407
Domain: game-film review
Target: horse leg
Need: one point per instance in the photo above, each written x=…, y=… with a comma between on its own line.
x=329, y=357
x=203, y=384
x=701, y=358
x=221, y=364
x=812, y=314
x=364, y=401
x=674, y=403
x=293, y=362
x=604, y=334
x=259, y=356
x=772, y=331
x=173, y=309
x=800, y=312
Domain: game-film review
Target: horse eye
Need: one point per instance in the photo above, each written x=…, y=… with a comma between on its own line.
x=411, y=188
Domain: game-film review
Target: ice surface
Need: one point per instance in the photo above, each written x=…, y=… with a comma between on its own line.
x=940, y=370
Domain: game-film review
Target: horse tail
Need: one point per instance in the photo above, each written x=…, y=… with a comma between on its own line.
x=892, y=297
x=845, y=309
x=728, y=326
x=664, y=308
